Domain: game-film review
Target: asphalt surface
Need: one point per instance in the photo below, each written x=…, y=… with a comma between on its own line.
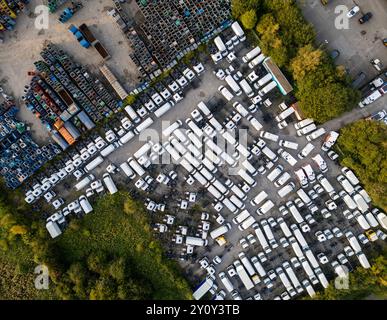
x=358, y=44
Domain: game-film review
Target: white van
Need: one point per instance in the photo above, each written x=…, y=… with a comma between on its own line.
x=243, y=174
x=216, y=124
x=288, y=144
x=261, y=82
x=247, y=223
x=143, y=125
x=265, y=208
x=361, y=203
x=284, y=114
x=306, y=129
x=269, y=136
x=194, y=128
x=235, y=200
x=303, y=196
x=241, y=109
x=203, y=108
x=127, y=170
x=246, y=88
x=132, y=114
x=259, y=198
x=270, y=154
x=255, y=123
x=230, y=206
x=187, y=166
x=194, y=139
x=257, y=60
x=226, y=281
x=350, y=176
x=284, y=191
x=303, y=123
x=163, y=109
x=302, y=178
x=306, y=151
x=250, y=168
x=226, y=93
x=275, y=173
x=215, y=233
x=238, y=192
x=241, y=217
x=233, y=85
x=284, y=227
x=136, y=167
x=315, y=134
x=168, y=131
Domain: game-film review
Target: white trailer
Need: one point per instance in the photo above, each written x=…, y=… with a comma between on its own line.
x=261, y=238
x=293, y=278
x=243, y=275
x=247, y=264
x=203, y=288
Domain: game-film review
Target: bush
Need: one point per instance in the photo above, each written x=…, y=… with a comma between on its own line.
x=249, y=19
x=364, y=150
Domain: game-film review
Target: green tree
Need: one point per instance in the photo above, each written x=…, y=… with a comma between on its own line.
x=307, y=60
x=239, y=7
x=249, y=19
x=364, y=149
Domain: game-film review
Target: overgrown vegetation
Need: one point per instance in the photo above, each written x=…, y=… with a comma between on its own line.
x=110, y=254
x=118, y=243
x=322, y=89
x=363, y=283
x=364, y=150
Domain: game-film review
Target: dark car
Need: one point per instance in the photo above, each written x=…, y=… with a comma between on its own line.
x=365, y=18
x=385, y=41
x=334, y=54
x=358, y=80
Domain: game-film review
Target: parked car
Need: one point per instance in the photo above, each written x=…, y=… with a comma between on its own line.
x=365, y=18
x=351, y=13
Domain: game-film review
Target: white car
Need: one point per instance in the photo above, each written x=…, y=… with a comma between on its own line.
x=342, y=258
x=196, y=115
x=243, y=242
x=348, y=251
x=337, y=232
x=320, y=236
x=251, y=239
x=220, y=74
x=322, y=258
x=262, y=257
x=231, y=271
x=351, y=13
x=362, y=238
x=328, y=233
x=304, y=227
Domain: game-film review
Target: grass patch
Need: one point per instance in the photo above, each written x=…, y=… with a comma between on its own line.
x=17, y=275
x=118, y=225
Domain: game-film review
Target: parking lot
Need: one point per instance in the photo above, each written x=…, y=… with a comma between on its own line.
x=359, y=44
x=188, y=214
x=22, y=47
